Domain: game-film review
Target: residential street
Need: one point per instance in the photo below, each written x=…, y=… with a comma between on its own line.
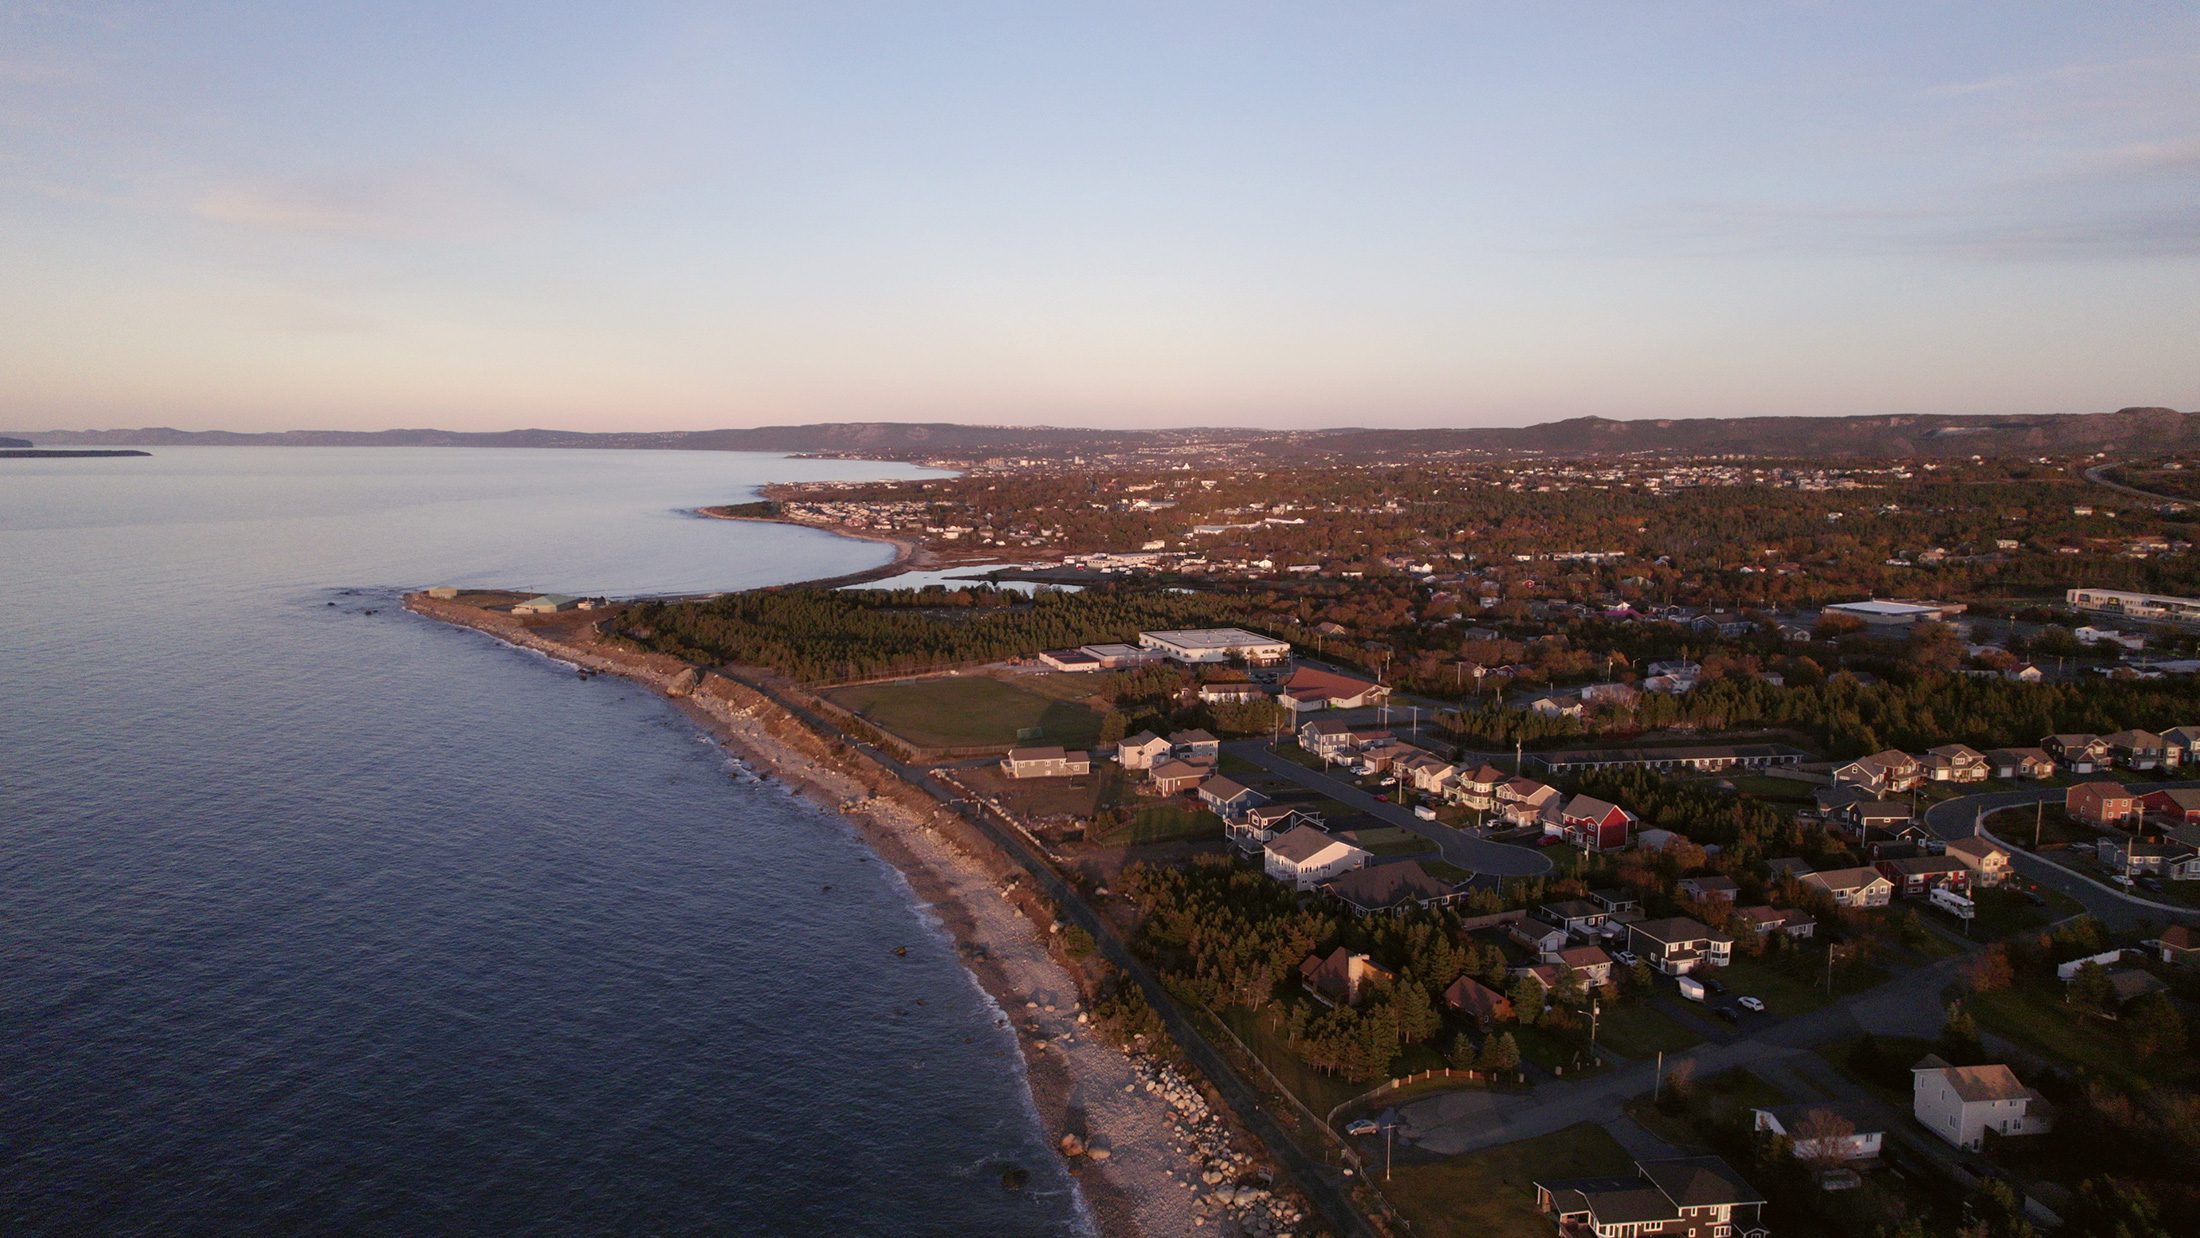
x=1479, y=855
x=1953, y=819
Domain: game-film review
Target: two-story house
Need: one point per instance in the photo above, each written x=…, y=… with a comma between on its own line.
x=1228, y=798
x=1342, y=978
x=1961, y=1103
x=1304, y=857
x=2174, y=807
x=1956, y=763
x=1586, y=821
x=1853, y=887
x=1882, y=773
x=2138, y=750
x=2080, y=754
x=1142, y=751
x=2102, y=804
x=2017, y=764
x=1679, y=945
x=1578, y=916
x=1918, y=875
x=1477, y=788
x=1988, y=861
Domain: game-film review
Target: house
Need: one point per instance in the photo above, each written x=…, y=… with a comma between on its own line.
x=1707, y=889
x=2101, y=804
x=2027, y=673
x=1051, y=762
x=1228, y=798
x=1769, y=920
x=1962, y=1103
x=1882, y=773
x=1579, y=917
x=2080, y=754
x=1833, y=803
x=1304, y=857
x=1556, y=707
x=2129, y=857
x=1591, y=823
x=2185, y=742
x=1853, y=887
x=1073, y=660
x=2021, y=763
x=1876, y=818
x=1956, y=763
x=1329, y=689
x=1524, y=801
x=1679, y=945
x=1232, y=692
x=1658, y=840
x=1687, y=1197
x=2178, y=807
x=1256, y=826
x=1815, y=1138
x=1383, y=888
x=2179, y=944
x=1195, y=746
x=1424, y=773
x=1787, y=866
x=1543, y=940
x=1988, y=862
x=1918, y=875
x=1328, y=740
x=1174, y=777
x=1343, y=978
x=1590, y=963
x=1478, y=1003
x=1477, y=788
x=1616, y=902
x=1142, y=750
x=2139, y=750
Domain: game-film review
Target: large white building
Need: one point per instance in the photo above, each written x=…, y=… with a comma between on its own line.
x=1961, y=1103
x=1198, y=645
x=1883, y=614
x=2152, y=607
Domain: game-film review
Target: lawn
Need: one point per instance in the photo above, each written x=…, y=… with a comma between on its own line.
x=1445, y=870
x=2032, y=1013
x=1491, y=1193
x=1784, y=994
x=969, y=711
x=2002, y=912
x=1391, y=840
x=1554, y=1052
x=1166, y=823
x=1641, y=1031
x=1766, y=787
x=1263, y=1035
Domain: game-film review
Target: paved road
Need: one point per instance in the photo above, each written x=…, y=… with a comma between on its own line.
x=1450, y=1123
x=2094, y=475
x=1478, y=854
x=1953, y=819
x=1322, y=1184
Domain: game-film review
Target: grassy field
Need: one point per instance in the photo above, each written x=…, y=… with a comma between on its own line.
x=2032, y=1013
x=1391, y=840
x=1640, y=1031
x=1491, y=1193
x=2003, y=912
x=969, y=711
x=1166, y=823
x=1261, y=1034
x=1766, y=787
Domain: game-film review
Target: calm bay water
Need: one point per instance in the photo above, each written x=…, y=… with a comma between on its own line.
x=327, y=918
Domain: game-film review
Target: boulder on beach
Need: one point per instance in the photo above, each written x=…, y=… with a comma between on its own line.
x=685, y=683
x=1072, y=1146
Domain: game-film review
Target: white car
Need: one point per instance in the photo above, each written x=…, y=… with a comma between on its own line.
x=1364, y=1126
x=1751, y=1004
x=1625, y=958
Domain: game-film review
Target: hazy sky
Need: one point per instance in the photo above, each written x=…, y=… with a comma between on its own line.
x=630, y=215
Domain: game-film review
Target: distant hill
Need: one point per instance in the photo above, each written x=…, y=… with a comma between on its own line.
x=2148, y=430
x=14, y=442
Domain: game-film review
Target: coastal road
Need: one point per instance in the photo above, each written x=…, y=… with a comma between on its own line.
x=2095, y=476
x=1476, y=854
x=1322, y=1184
x=1953, y=819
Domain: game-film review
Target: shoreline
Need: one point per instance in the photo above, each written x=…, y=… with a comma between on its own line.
x=1134, y=1109
x=909, y=556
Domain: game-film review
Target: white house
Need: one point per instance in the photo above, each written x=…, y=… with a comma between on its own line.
x=1961, y=1103
x=1305, y=857
x=1818, y=1140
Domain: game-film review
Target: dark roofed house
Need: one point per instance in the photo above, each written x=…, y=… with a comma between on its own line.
x=1229, y=798
x=1919, y=875
x=1342, y=978
x=1390, y=888
x=1686, y=1197
x=1578, y=916
x=1478, y=1002
x=1679, y=945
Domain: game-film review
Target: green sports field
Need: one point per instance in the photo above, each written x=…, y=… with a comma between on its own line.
x=968, y=712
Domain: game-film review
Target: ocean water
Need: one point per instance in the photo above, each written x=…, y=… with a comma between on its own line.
x=326, y=918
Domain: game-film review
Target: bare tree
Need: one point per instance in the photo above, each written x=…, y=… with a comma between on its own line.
x=1821, y=1139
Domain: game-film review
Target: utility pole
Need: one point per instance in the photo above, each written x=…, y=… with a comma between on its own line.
x=2039, y=819
x=1517, y=746
x=1657, y=1086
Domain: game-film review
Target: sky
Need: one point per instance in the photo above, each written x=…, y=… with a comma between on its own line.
x=652, y=216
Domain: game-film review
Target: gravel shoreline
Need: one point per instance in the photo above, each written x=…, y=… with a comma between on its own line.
x=1153, y=1140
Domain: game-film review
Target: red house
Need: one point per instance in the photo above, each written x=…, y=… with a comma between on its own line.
x=2101, y=804
x=1590, y=822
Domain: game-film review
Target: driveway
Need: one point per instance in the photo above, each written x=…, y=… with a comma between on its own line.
x=1476, y=854
x=1953, y=819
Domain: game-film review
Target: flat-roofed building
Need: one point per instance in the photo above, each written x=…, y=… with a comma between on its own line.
x=2150, y=607
x=1199, y=645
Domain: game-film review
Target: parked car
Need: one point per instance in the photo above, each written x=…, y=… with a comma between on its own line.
x=1751, y=1004
x=1548, y=840
x=1727, y=1013
x=2151, y=883
x=2034, y=897
x=1711, y=984
x=1625, y=958
x=2123, y=880
x=1362, y=1126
